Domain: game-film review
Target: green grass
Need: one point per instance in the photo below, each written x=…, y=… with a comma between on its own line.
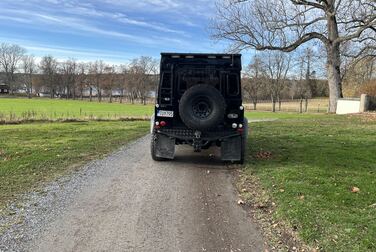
x=320, y=158
x=22, y=108
x=39, y=152
x=49, y=109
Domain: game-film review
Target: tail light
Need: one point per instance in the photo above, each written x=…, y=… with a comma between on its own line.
x=162, y=123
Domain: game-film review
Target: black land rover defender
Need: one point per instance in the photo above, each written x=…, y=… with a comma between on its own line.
x=199, y=102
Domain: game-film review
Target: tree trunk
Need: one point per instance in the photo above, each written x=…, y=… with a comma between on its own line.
x=111, y=96
x=90, y=93
x=301, y=106
x=254, y=105
x=30, y=91
x=334, y=77
x=306, y=105
x=122, y=96
x=333, y=63
x=273, y=104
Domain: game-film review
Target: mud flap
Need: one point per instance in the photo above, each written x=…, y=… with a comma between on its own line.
x=164, y=146
x=231, y=149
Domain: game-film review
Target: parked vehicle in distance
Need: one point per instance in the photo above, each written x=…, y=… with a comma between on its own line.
x=199, y=103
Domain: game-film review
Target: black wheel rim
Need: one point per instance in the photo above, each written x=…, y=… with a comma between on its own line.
x=201, y=108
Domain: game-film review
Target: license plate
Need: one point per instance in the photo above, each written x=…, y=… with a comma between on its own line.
x=165, y=113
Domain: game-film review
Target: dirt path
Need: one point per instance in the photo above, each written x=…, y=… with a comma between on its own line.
x=137, y=204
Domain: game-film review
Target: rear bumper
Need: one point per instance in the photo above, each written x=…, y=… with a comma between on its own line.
x=188, y=134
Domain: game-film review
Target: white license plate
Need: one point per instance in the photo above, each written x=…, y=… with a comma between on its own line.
x=165, y=113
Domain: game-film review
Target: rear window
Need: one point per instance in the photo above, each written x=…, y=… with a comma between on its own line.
x=232, y=84
x=188, y=77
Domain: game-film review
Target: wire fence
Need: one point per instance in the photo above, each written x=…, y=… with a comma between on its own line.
x=317, y=105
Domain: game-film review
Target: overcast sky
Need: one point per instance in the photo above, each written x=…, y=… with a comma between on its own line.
x=114, y=31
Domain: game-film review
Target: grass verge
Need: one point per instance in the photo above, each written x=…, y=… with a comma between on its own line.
x=309, y=169
x=39, y=152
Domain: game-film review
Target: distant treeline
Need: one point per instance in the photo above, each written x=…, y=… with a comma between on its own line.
x=270, y=75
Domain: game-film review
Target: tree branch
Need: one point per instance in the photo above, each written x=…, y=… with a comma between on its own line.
x=309, y=3
x=368, y=25
x=289, y=48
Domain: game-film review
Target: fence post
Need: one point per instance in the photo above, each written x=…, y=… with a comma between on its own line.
x=364, y=103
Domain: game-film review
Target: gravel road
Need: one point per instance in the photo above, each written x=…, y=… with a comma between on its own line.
x=127, y=202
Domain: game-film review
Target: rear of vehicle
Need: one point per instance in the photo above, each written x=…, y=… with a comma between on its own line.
x=199, y=103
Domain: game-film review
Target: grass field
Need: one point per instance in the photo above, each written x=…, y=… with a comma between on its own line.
x=14, y=109
x=312, y=166
x=39, y=152
x=49, y=109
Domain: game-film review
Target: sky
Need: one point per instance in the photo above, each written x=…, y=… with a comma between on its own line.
x=114, y=31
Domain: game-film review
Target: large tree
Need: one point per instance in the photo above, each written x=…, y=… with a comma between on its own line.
x=49, y=67
x=143, y=73
x=278, y=65
x=10, y=56
x=96, y=71
x=254, y=76
x=69, y=74
x=286, y=24
x=29, y=69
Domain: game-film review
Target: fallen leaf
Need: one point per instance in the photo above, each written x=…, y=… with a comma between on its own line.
x=301, y=197
x=281, y=190
x=355, y=189
x=240, y=202
x=244, y=190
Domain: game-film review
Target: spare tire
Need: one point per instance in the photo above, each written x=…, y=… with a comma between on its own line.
x=202, y=107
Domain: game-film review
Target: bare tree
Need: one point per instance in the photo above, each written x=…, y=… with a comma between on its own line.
x=96, y=72
x=277, y=67
x=284, y=25
x=68, y=77
x=49, y=68
x=109, y=80
x=255, y=78
x=10, y=56
x=143, y=71
x=29, y=68
x=124, y=80
x=82, y=77
x=303, y=84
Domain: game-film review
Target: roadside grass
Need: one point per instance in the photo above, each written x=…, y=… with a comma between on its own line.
x=40, y=152
x=314, y=164
x=49, y=109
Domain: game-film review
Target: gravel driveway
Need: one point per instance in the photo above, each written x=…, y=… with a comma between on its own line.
x=127, y=202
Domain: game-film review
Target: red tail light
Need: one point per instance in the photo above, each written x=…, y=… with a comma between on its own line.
x=162, y=123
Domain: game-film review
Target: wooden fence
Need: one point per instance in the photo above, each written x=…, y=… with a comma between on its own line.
x=317, y=105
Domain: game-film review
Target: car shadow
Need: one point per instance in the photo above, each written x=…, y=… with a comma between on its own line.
x=206, y=159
